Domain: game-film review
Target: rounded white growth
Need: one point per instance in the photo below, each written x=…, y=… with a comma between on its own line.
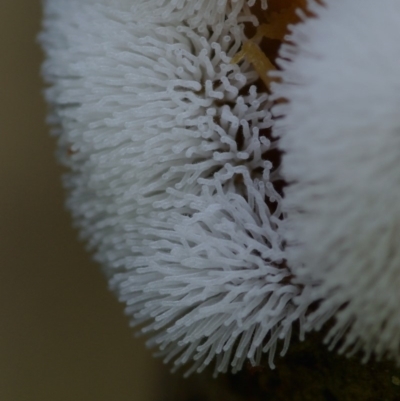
x=340, y=132
x=170, y=177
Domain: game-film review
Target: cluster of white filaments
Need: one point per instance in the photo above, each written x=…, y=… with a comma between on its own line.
x=342, y=207
x=170, y=179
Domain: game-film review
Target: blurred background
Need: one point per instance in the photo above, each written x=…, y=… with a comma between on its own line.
x=63, y=336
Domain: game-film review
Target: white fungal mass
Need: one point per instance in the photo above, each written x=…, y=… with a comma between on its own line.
x=339, y=132
x=169, y=175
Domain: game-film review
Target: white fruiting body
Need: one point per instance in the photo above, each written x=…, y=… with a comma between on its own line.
x=169, y=172
x=340, y=134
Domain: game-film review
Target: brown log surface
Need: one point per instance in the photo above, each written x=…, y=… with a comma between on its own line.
x=308, y=372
